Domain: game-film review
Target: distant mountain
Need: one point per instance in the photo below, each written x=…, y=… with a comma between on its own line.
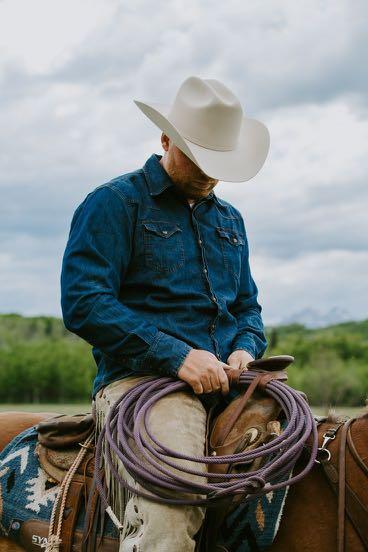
x=313, y=318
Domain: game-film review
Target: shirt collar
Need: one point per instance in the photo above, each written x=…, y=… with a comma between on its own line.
x=158, y=180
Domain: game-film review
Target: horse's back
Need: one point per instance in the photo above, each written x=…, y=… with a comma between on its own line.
x=13, y=423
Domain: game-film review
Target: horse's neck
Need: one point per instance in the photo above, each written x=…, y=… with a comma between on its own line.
x=359, y=433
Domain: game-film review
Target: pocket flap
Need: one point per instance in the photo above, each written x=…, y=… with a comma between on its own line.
x=233, y=236
x=163, y=229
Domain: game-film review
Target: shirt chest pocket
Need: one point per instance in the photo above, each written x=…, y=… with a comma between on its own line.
x=232, y=245
x=163, y=245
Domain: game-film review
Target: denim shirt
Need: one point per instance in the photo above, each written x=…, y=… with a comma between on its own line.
x=145, y=277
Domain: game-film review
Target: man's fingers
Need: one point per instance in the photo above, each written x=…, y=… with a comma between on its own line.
x=206, y=383
x=234, y=361
x=215, y=382
x=224, y=381
x=197, y=388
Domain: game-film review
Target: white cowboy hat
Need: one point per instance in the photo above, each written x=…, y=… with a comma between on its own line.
x=206, y=122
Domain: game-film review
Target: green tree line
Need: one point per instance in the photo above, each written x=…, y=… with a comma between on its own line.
x=40, y=361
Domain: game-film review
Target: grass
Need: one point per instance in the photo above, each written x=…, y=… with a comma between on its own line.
x=82, y=408
x=73, y=408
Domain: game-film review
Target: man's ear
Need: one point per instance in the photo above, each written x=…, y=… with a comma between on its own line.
x=165, y=141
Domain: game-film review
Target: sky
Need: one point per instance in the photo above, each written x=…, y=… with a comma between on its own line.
x=69, y=72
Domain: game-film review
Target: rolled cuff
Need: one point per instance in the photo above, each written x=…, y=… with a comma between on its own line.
x=246, y=343
x=166, y=354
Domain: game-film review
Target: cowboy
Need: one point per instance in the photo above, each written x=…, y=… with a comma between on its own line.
x=156, y=278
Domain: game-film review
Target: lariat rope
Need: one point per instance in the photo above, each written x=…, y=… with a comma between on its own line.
x=130, y=414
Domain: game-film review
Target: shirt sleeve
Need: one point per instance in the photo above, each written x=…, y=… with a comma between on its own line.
x=95, y=261
x=250, y=335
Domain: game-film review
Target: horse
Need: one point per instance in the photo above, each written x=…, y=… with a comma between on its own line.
x=309, y=520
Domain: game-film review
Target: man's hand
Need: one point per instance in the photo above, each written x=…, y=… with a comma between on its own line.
x=204, y=372
x=239, y=359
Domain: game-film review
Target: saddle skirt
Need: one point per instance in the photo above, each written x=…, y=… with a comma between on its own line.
x=30, y=478
x=57, y=463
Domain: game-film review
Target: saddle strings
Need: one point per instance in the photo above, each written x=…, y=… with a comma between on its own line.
x=127, y=421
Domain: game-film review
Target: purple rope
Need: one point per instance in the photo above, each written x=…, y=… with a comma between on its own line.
x=130, y=414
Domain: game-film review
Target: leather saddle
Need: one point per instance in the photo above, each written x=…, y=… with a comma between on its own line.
x=60, y=439
x=250, y=420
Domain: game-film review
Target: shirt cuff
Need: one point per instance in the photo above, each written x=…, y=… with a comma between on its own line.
x=166, y=354
x=245, y=344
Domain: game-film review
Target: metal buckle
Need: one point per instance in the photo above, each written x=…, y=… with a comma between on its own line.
x=323, y=452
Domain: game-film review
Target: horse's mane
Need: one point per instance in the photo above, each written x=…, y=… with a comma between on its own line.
x=333, y=417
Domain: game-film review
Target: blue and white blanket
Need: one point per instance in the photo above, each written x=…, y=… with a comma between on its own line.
x=25, y=491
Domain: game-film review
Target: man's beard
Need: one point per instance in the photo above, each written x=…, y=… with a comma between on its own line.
x=187, y=191
x=190, y=188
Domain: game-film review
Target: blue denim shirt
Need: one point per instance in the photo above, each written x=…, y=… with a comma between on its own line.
x=145, y=278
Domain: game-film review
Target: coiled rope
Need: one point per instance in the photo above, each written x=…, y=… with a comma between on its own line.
x=130, y=414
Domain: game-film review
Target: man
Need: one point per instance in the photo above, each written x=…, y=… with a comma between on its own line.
x=156, y=277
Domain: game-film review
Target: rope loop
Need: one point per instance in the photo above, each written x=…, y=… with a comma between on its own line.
x=130, y=413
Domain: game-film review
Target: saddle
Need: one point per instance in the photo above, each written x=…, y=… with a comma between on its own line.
x=246, y=423
x=250, y=420
x=60, y=440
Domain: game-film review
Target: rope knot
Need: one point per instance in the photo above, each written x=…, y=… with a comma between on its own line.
x=255, y=483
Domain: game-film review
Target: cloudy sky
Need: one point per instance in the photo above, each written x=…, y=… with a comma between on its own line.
x=69, y=71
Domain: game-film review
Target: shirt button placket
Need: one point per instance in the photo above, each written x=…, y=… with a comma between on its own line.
x=213, y=297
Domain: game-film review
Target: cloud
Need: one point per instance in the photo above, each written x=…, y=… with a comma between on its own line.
x=295, y=54
x=311, y=194
x=68, y=124
x=320, y=281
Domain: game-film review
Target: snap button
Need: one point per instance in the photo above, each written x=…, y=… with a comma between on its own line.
x=235, y=240
x=164, y=231
x=15, y=525
x=200, y=242
x=205, y=270
x=214, y=299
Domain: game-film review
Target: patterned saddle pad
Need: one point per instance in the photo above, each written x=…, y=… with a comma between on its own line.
x=26, y=493
x=252, y=526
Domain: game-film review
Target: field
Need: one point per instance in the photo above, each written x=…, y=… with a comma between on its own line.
x=82, y=408
x=40, y=361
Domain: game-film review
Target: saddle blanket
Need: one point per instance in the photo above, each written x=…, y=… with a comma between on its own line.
x=252, y=526
x=26, y=493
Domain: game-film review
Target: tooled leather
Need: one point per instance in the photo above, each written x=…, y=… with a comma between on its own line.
x=258, y=412
x=261, y=380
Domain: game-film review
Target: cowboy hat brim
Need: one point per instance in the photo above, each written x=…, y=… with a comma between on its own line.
x=237, y=165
